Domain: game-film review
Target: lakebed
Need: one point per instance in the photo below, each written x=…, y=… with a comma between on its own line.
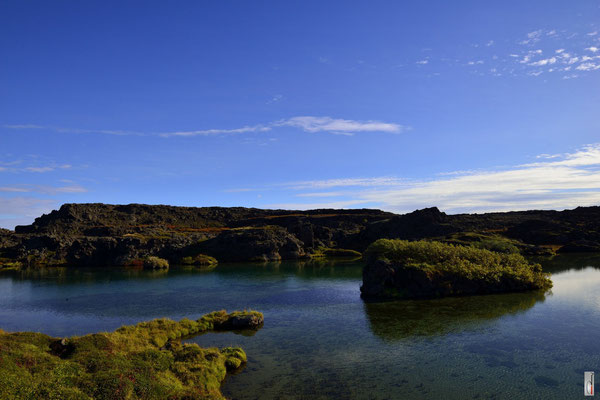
x=320, y=340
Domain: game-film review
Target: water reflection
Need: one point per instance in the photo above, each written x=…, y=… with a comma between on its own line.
x=75, y=276
x=304, y=269
x=400, y=319
x=565, y=262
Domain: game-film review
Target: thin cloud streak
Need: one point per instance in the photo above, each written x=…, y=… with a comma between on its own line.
x=43, y=189
x=310, y=124
x=345, y=182
x=37, y=169
x=72, y=130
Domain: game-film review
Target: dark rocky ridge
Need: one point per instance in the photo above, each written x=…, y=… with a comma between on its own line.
x=104, y=234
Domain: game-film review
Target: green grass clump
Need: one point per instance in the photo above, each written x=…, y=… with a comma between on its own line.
x=143, y=361
x=435, y=268
x=9, y=264
x=200, y=260
x=153, y=262
x=329, y=252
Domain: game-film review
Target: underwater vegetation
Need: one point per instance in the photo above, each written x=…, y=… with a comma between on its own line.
x=143, y=361
x=403, y=269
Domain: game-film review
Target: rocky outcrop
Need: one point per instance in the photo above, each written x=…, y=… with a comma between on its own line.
x=254, y=244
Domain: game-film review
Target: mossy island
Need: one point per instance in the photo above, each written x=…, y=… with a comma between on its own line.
x=143, y=361
x=426, y=269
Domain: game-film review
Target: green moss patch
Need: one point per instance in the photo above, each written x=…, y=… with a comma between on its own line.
x=143, y=361
x=200, y=260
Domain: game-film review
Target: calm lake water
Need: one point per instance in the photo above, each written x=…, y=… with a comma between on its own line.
x=320, y=340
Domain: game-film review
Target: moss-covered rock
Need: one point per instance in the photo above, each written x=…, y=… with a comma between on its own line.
x=403, y=269
x=143, y=361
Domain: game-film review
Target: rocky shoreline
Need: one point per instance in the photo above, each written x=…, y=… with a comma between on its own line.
x=118, y=235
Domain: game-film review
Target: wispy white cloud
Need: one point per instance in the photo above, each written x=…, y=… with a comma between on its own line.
x=422, y=62
x=588, y=67
x=336, y=126
x=43, y=189
x=313, y=206
x=529, y=55
x=345, y=182
x=322, y=194
x=213, y=132
x=532, y=37
x=275, y=99
x=240, y=190
x=544, y=61
x=559, y=181
x=16, y=166
x=71, y=130
x=48, y=168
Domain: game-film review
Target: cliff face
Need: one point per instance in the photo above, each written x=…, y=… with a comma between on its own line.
x=104, y=234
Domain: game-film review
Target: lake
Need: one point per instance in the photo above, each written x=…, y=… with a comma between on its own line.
x=320, y=340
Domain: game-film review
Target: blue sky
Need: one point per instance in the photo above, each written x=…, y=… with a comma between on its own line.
x=470, y=106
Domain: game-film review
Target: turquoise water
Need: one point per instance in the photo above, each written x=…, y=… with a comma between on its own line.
x=320, y=340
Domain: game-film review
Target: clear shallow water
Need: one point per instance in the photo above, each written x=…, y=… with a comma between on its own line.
x=320, y=340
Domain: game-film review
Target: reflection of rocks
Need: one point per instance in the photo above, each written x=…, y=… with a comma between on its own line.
x=564, y=262
x=580, y=246
x=399, y=319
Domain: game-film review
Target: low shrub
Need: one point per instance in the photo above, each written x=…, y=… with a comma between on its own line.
x=153, y=262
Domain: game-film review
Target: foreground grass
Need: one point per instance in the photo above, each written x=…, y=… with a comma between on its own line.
x=143, y=361
x=399, y=268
